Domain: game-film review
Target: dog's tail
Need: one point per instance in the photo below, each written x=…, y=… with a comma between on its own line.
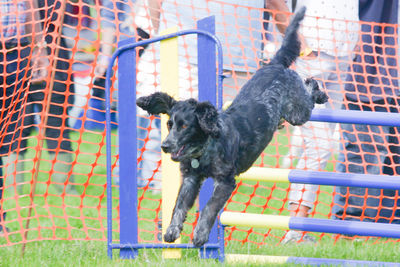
x=290, y=48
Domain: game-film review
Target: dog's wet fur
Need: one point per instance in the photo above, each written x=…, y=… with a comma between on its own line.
x=223, y=144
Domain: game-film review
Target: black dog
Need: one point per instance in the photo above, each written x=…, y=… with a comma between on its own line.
x=221, y=145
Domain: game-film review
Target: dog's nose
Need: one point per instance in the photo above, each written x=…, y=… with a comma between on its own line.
x=166, y=147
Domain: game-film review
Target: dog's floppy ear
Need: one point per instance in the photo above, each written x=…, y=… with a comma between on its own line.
x=156, y=103
x=207, y=116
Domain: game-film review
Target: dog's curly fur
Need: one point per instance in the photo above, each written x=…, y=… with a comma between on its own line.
x=225, y=144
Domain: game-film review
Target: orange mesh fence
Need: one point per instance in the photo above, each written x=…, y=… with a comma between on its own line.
x=53, y=134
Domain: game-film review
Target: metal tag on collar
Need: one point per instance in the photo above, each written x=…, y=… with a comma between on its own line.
x=195, y=163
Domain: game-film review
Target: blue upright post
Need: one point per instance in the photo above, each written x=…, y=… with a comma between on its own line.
x=127, y=150
x=207, y=91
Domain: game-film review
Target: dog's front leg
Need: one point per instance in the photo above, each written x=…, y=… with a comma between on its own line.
x=187, y=195
x=221, y=194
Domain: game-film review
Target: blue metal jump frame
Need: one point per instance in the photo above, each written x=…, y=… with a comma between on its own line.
x=207, y=41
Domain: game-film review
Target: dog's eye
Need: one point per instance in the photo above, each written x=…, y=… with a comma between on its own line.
x=181, y=125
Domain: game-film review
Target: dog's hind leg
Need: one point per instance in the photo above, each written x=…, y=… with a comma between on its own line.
x=221, y=194
x=317, y=95
x=187, y=194
x=298, y=107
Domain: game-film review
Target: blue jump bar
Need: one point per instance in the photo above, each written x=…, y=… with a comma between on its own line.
x=341, y=262
x=345, y=227
x=356, y=117
x=345, y=179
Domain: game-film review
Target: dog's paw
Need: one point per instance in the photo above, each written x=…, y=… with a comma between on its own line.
x=172, y=234
x=200, y=236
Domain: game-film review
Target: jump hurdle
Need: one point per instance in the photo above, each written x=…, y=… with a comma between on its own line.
x=208, y=73
x=319, y=178
x=310, y=224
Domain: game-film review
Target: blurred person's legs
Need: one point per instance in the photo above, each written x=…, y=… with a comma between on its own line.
x=371, y=149
x=317, y=136
x=62, y=96
x=15, y=161
x=366, y=151
x=14, y=78
x=62, y=173
x=98, y=90
x=58, y=140
x=3, y=228
x=56, y=135
x=317, y=150
x=14, y=169
x=99, y=93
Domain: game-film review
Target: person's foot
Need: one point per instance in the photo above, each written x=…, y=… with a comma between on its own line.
x=297, y=237
x=3, y=230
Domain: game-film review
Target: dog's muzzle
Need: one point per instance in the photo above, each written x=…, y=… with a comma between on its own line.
x=166, y=147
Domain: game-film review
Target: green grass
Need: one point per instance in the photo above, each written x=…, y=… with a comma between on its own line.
x=91, y=253
x=61, y=218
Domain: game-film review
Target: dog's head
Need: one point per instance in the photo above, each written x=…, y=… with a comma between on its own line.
x=191, y=124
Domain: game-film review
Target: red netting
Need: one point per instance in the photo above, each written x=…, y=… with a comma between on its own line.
x=54, y=138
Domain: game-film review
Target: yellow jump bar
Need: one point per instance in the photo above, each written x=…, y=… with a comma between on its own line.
x=265, y=175
x=255, y=220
